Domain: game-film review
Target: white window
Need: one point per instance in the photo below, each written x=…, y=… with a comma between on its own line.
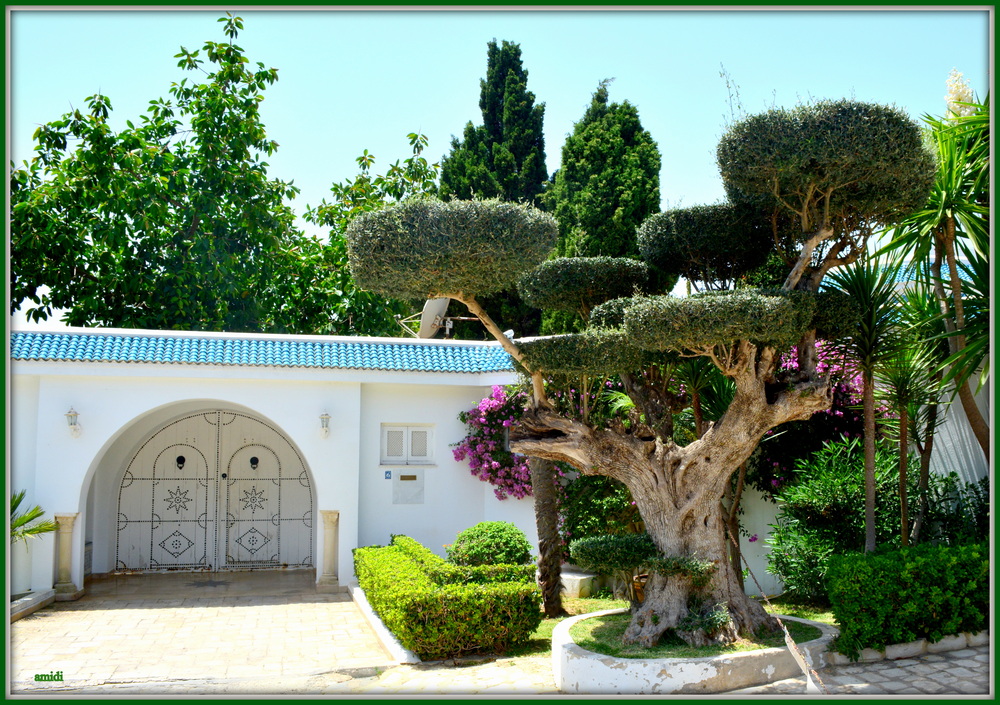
x=407, y=445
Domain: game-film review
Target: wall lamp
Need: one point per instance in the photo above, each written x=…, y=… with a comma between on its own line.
x=74, y=426
x=324, y=425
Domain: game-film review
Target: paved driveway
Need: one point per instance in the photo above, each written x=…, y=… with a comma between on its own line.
x=193, y=627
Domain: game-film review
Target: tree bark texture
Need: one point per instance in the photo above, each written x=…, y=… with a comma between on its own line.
x=946, y=242
x=678, y=489
x=868, y=400
x=549, y=542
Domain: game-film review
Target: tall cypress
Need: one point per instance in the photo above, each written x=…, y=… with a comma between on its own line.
x=505, y=156
x=608, y=183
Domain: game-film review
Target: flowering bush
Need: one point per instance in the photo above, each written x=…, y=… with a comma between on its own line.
x=486, y=445
x=773, y=465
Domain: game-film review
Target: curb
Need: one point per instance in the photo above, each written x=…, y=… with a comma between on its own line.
x=391, y=644
x=952, y=642
x=579, y=671
x=32, y=602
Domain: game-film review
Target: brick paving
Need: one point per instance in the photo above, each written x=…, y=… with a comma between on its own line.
x=272, y=634
x=192, y=627
x=962, y=672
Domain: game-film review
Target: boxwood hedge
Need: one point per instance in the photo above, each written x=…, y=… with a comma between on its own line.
x=921, y=592
x=438, y=612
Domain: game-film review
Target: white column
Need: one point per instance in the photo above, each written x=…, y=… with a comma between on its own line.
x=329, y=581
x=66, y=590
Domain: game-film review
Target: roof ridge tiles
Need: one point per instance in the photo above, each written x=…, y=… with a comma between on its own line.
x=365, y=354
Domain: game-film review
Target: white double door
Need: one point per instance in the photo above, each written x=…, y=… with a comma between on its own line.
x=216, y=490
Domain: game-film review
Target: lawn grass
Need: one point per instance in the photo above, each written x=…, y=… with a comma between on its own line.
x=603, y=635
x=540, y=641
x=802, y=610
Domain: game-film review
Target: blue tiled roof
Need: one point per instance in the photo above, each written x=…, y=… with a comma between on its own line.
x=266, y=352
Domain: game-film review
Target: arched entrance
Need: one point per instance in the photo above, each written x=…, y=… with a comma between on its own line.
x=214, y=490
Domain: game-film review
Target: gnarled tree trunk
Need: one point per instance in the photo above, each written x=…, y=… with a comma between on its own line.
x=678, y=489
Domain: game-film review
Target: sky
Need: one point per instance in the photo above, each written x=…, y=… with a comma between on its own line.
x=356, y=80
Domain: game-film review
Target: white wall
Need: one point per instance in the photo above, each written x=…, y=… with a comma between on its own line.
x=22, y=417
x=758, y=515
x=955, y=446
x=453, y=500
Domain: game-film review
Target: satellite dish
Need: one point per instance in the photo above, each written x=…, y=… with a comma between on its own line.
x=432, y=317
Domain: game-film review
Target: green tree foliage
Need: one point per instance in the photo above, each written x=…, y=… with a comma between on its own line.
x=424, y=248
x=871, y=284
x=505, y=156
x=169, y=223
x=502, y=158
x=953, y=221
x=840, y=168
x=608, y=182
x=578, y=284
x=743, y=332
x=353, y=310
x=712, y=245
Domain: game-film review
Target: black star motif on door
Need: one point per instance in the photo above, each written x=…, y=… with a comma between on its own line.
x=252, y=499
x=177, y=500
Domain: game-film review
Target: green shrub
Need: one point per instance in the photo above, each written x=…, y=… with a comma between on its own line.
x=957, y=512
x=824, y=513
x=621, y=556
x=436, y=618
x=441, y=572
x=594, y=505
x=490, y=543
x=924, y=591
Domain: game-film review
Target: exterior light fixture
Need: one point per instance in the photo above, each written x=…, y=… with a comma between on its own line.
x=74, y=426
x=324, y=425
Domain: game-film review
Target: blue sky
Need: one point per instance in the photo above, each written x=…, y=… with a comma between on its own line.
x=355, y=80
x=350, y=81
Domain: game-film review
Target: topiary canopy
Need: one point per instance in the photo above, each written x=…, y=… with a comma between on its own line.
x=716, y=243
x=705, y=320
x=425, y=247
x=578, y=284
x=842, y=163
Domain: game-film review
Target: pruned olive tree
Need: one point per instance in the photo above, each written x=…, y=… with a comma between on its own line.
x=465, y=249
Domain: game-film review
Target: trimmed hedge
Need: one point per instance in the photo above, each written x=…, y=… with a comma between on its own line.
x=578, y=284
x=438, y=610
x=490, y=543
x=921, y=592
x=421, y=248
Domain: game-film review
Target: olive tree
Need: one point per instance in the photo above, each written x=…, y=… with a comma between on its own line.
x=465, y=249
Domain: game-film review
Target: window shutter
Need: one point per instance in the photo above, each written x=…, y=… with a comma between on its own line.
x=394, y=444
x=420, y=445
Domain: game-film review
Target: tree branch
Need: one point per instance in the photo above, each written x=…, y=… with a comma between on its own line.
x=537, y=383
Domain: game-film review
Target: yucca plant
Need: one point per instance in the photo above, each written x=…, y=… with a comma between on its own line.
x=872, y=285
x=27, y=524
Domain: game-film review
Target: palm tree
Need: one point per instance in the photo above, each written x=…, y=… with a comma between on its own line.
x=871, y=284
x=26, y=525
x=956, y=212
x=926, y=325
x=906, y=386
